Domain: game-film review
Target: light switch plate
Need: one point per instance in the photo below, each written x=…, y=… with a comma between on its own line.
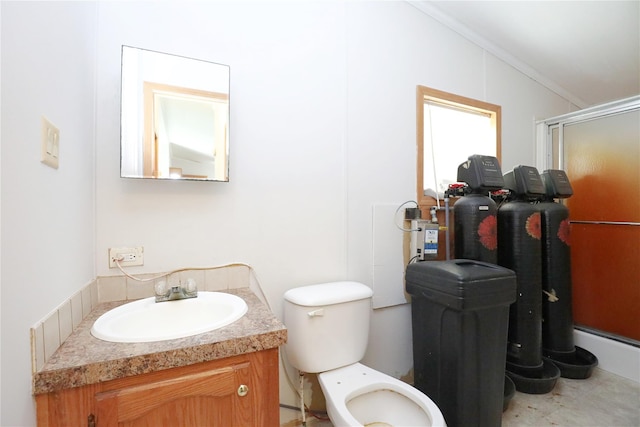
x=50, y=144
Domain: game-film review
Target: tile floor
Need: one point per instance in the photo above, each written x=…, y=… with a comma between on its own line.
x=603, y=400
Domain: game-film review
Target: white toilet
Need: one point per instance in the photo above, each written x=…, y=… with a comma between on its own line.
x=328, y=330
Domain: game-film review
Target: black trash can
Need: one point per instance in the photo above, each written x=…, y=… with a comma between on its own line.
x=460, y=317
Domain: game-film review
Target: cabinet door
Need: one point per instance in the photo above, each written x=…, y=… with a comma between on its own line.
x=208, y=398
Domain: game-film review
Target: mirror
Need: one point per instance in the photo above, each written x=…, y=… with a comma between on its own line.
x=450, y=128
x=174, y=117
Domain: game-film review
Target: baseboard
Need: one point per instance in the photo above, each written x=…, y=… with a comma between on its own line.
x=613, y=356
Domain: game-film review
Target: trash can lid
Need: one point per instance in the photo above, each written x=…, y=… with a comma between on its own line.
x=461, y=283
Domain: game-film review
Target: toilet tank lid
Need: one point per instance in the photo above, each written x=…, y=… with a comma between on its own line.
x=328, y=293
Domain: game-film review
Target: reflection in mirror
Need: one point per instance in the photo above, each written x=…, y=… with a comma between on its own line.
x=450, y=128
x=174, y=117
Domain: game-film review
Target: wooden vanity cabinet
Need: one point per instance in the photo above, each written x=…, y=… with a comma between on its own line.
x=236, y=391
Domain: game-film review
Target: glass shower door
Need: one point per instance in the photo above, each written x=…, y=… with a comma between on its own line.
x=602, y=159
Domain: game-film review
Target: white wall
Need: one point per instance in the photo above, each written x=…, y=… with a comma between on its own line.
x=48, y=232
x=281, y=210
x=322, y=129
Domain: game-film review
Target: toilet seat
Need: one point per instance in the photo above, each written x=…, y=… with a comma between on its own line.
x=357, y=395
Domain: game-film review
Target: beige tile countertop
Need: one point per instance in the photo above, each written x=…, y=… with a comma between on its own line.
x=83, y=359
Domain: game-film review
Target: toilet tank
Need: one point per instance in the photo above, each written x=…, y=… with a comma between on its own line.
x=327, y=325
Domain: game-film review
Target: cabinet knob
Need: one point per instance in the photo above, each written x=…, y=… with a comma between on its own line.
x=243, y=390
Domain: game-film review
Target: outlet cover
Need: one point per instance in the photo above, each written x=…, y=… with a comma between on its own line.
x=128, y=257
x=50, y=144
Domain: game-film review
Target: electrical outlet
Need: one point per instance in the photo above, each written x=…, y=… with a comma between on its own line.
x=50, y=144
x=128, y=256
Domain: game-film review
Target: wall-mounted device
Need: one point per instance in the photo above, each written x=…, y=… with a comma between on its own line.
x=424, y=239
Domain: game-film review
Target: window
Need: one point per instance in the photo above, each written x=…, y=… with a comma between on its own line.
x=450, y=128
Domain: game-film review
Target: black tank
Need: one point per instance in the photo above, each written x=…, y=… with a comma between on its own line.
x=476, y=225
x=519, y=249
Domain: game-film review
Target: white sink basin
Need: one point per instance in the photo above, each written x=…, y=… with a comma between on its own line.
x=145, y=320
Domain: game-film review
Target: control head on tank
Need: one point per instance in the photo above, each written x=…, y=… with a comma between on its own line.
x=481, y=173
x=556, y=183
x=524, y=183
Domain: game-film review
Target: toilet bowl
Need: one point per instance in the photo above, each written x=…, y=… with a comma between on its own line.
x=337, y=316
x=357, y=395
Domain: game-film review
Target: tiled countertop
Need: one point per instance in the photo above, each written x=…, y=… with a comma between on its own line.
x=83, y=359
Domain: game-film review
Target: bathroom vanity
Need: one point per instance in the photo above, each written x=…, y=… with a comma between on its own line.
x=226, y=377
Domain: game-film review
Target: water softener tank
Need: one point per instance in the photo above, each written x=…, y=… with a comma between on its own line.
x=475, y=214
x=557, y=328
x=519, y=249
x=476, y=223
x=557, y=313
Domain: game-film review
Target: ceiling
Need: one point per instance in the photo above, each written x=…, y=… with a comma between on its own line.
x=586, y=51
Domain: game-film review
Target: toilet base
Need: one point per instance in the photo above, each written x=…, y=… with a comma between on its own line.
x=357, y=395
